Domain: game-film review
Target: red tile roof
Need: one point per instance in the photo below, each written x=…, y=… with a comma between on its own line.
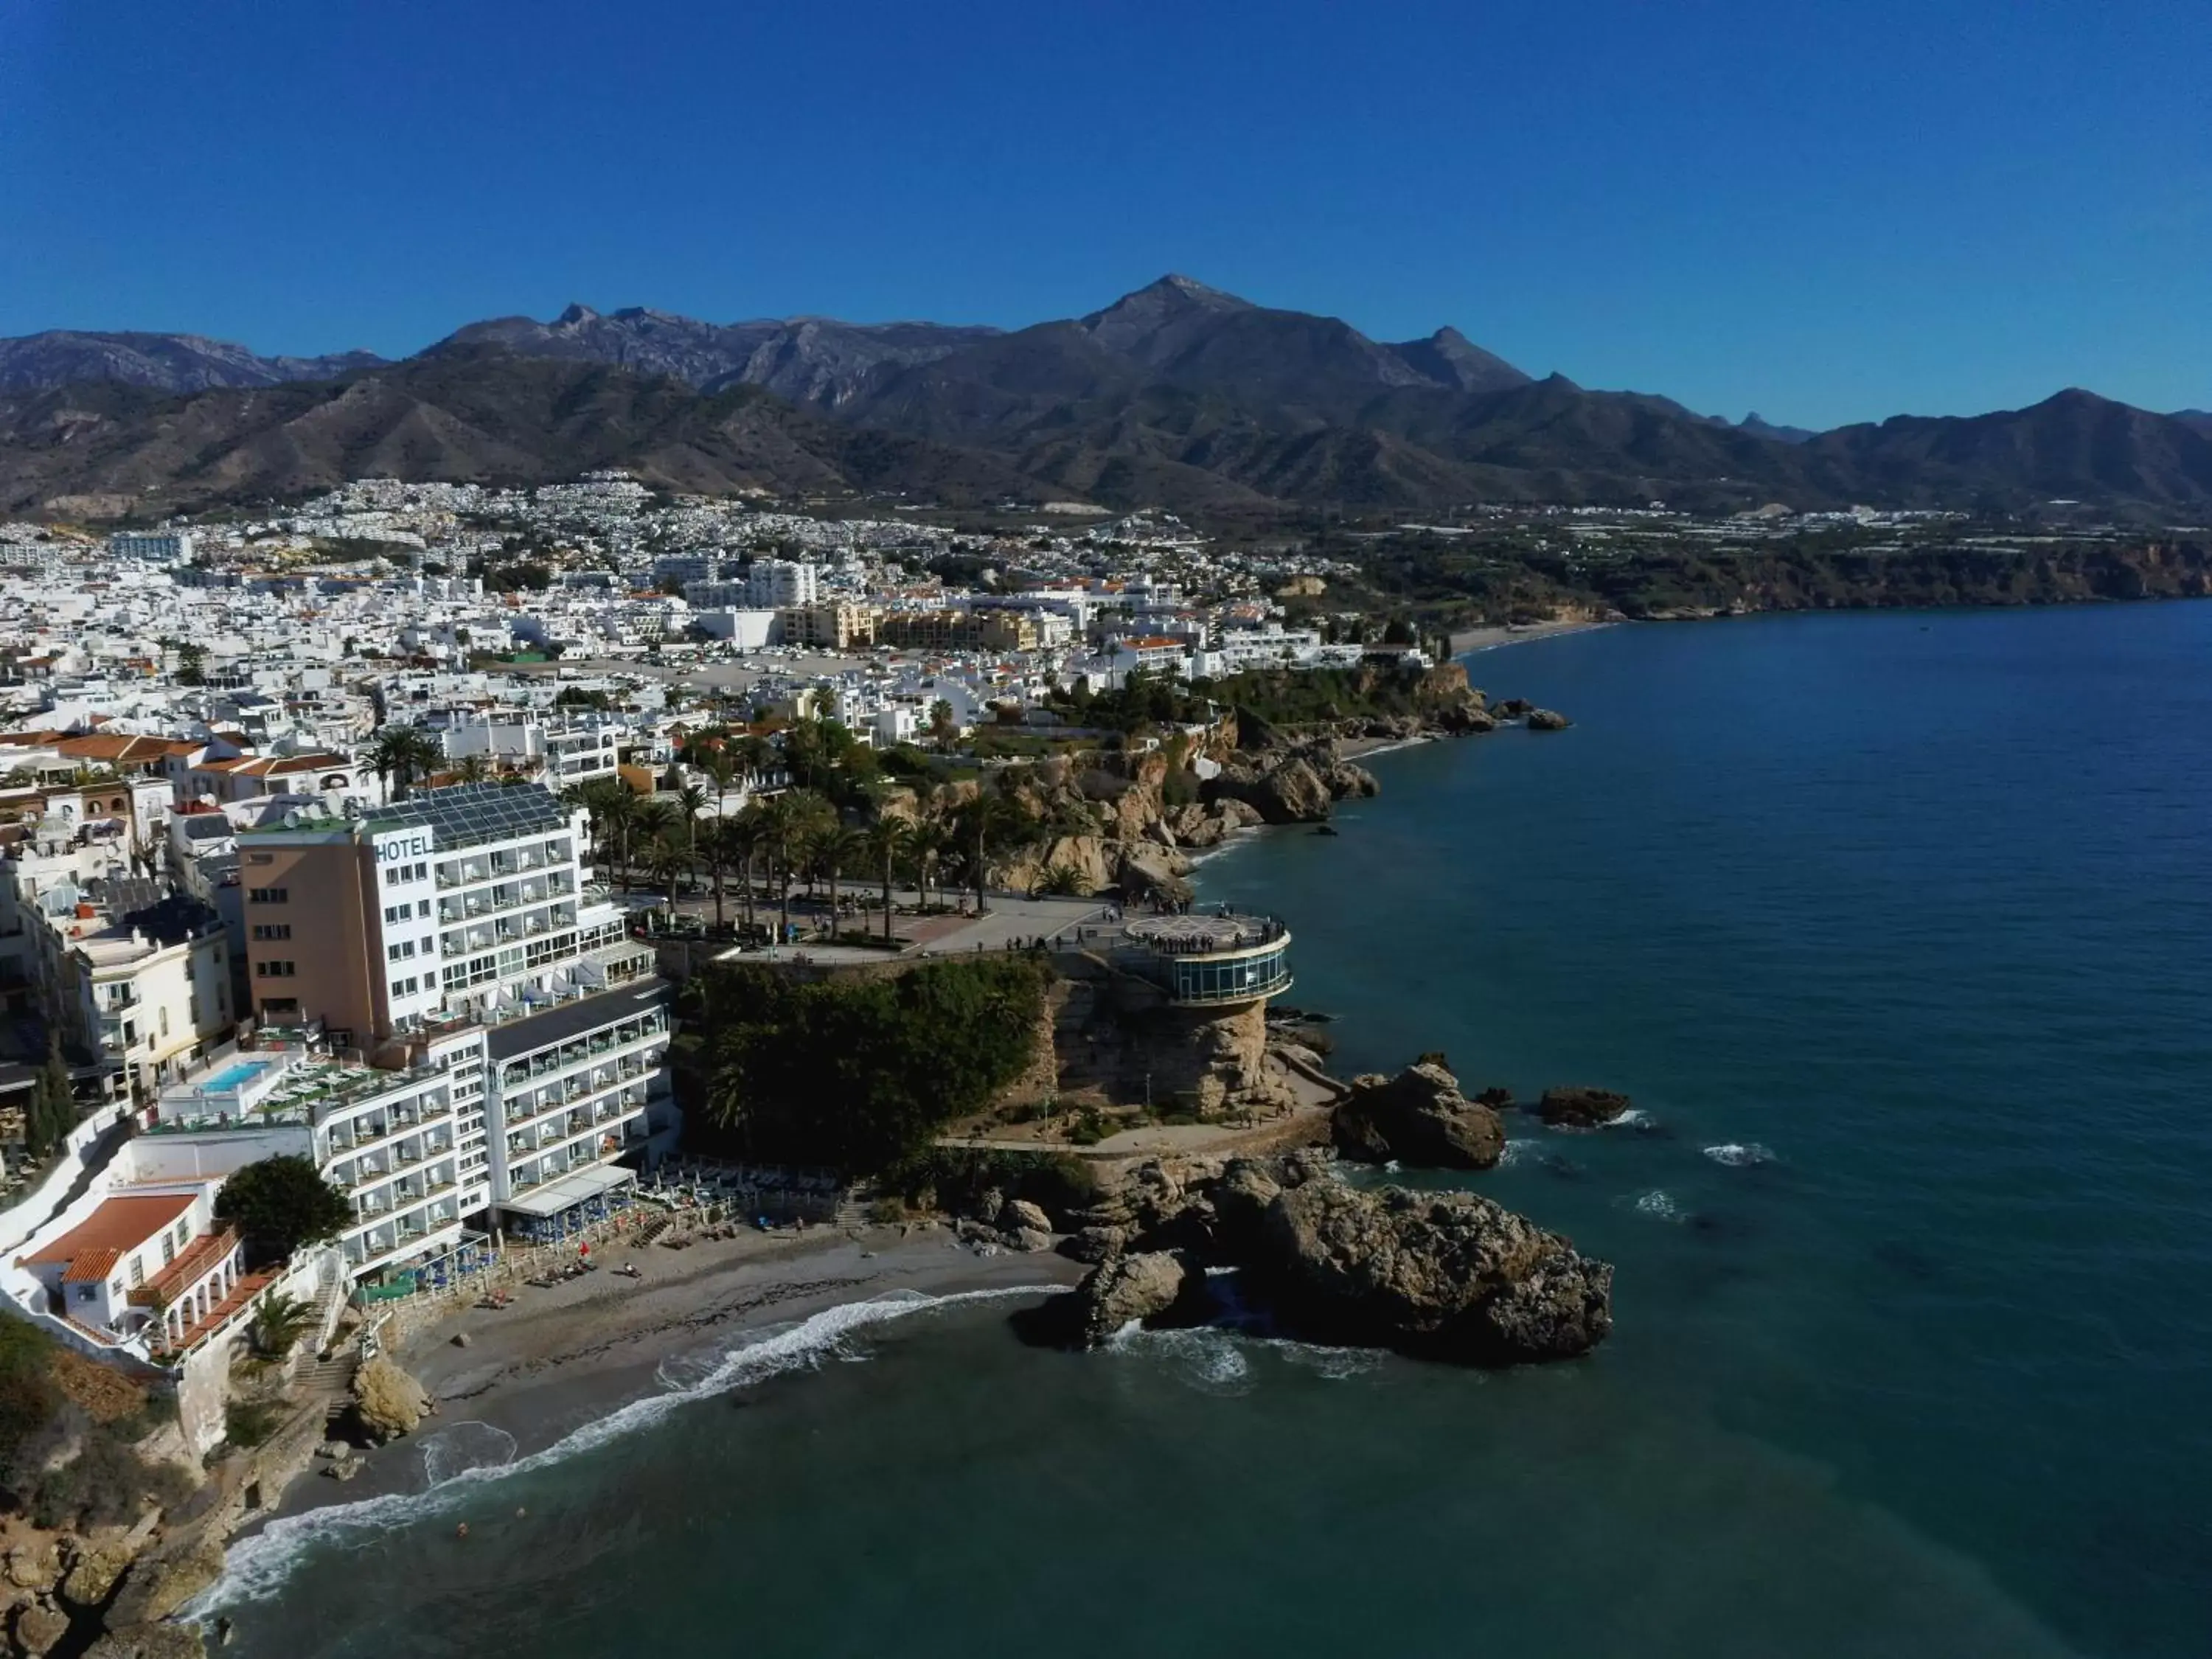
x=119, y=1225
x=91, y=1267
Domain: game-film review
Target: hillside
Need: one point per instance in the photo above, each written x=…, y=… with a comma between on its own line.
x=167, y=363
x=1177, y=395
x=809, y=360
x=464, y=415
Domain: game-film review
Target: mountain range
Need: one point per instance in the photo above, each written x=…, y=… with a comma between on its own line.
x=1177, y=394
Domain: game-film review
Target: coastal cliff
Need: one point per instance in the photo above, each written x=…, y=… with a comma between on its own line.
x=1447, y=1276
x=1284, y=752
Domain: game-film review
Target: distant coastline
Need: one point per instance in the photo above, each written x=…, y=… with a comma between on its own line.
x=1469, y=640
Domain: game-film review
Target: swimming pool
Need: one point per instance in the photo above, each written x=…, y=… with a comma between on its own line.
x=238, y=1076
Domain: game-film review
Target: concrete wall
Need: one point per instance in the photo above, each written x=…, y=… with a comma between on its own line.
x=215, y=1152
x=30, y=1213
x=332, y=978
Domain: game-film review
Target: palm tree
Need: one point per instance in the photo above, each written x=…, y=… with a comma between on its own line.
x=656, y=824
x=889, y=840
x=666, y=860
x=988, y=824
x=747, y=836
x=400, y=754
x=614, y=814
x=838, y=847
x=693, y=800
x=929, y=843
x=943, y=724
x=717, y=765
x=756, y=754
x=787, y=821
x=279, y=1322
x=473, y=768
x=716, y=851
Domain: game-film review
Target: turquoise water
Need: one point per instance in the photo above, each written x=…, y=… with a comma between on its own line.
x=1897, y=928
x=232, y=1077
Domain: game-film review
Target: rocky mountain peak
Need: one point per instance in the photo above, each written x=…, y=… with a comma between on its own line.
x=575, y=316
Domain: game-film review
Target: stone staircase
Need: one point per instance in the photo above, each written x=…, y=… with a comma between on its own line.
x=854, y=1208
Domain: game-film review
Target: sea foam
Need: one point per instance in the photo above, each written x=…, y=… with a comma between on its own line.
x=1660, y=1203
x=1740, y=1154
x=461, y=1447
x=255, y=1568
x=1204, y=1357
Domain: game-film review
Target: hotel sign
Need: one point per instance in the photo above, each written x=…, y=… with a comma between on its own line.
x=403, y=846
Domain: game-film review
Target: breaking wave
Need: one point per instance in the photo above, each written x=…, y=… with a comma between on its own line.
x=455, y=1451
x=256, y=1568
x=1204, y=1357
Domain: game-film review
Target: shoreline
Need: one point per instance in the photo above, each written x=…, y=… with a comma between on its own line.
x=1468, y=641
x=578, y=1354
x=567, y=1366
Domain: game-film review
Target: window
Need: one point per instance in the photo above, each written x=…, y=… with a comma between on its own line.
x=422, y=909
x=137, y=1271
x=165, y=1022
x=168, y=1250
x=274, y=970
x=399, y=951
x=184, y=1232
x=268, y=930
x=269, y=894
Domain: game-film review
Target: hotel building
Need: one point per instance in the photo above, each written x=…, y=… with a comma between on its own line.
x=516, y=1031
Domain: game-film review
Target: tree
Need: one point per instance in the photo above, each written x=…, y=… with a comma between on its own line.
x=657, y=829
x=279, y=1322
x=401, y=754
x=787, y=821
x=192, y=663
x=988, y=823
x=859, y=1073
x=747, y=836
x=280, y=1204
x=943, y=725
x=888, y=840
x=667, y=859
x=839, y=847
x=51, y=1112
x=614, y=810
x=693, y=801
x=930, y=842
x=717, y=850
x=473, y=768
x=719, y=766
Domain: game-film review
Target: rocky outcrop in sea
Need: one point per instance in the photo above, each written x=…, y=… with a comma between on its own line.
x=1444, y=1276
x=1419, y=1117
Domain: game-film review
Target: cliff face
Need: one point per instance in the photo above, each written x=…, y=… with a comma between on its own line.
x=1116, y=1038
x=1660, y=589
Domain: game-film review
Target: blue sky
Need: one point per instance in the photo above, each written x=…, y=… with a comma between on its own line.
x=1826, y=212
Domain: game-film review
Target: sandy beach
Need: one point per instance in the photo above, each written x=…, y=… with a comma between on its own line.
x=1489, y=639
x=560, y=1357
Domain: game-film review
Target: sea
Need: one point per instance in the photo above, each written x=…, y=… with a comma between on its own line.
x=1897, y=929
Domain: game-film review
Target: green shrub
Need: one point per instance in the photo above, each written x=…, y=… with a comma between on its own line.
x=250, y=1422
